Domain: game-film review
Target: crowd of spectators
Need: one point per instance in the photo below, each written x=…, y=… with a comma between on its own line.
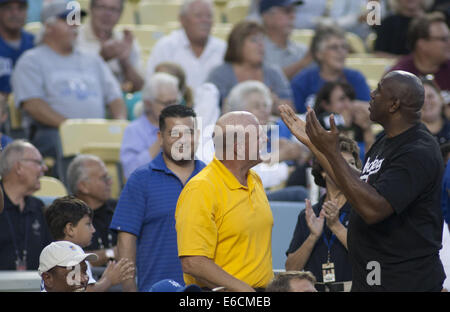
x=193, y=86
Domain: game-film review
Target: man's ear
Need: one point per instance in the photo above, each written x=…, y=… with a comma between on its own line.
x=48, y=280
x=395, y=106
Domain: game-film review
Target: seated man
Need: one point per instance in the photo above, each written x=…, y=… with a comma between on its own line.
x=293, y=281
x=192, y=46
x=278, y=21
x=63, y=268
x=89, y=181
x=140, y=141
x=119, y=49
x=55, y=81
x=13, y=39
x=24, y=231
x=429, y=40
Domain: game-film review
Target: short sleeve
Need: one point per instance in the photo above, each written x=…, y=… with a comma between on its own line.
x=26, y=80
x=300, y=234
x=406, y=177
x=195, y=221
x=130, y=210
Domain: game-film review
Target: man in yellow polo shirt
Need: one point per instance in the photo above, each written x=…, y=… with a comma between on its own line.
x=223, y=218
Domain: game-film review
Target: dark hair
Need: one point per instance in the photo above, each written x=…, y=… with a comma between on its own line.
x=67, y=209
x=240, y=32
x=346, y=145
x=419, y=28
x=174, y=111
x=324, y=94
x=281, y=282
x=322, y=34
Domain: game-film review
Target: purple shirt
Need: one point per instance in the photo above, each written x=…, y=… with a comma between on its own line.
x=441, y=77
x=137, y=139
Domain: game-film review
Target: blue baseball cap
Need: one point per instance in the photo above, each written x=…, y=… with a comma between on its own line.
x=59, y=9
x=169, y=285
x=265, y=5
x=6, y=1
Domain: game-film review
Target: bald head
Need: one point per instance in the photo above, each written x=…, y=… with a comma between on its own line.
x=234, y=132
x=408, y=89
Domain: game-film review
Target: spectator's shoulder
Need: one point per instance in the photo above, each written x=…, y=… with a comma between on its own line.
x=308, y=73
x=35, y=203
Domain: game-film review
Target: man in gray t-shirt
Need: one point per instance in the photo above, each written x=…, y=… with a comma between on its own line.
x=278, y=21
x=54, y=81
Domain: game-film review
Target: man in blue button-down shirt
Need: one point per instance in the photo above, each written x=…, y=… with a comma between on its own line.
x=145, y=214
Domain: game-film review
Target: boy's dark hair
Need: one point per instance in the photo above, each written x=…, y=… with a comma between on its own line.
x=67, y=209
x=180, y=111
x=323, y=96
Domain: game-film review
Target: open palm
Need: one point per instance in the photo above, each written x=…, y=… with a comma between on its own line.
x=295, y=124
x=315, y=224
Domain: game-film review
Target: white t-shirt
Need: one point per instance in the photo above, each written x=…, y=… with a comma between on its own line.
x=176, y=48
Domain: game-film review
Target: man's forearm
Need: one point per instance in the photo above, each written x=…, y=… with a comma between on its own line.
x=41, y=111
x=117, y=109
x=126, y=248
x=366, y=201
x=205, y=270
x=132, y=75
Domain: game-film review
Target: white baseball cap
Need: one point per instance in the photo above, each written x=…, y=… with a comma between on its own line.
x=62, y=253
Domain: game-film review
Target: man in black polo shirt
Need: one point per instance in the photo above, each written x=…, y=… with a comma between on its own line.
x=24, y=232
x=395, y=229
x=88, y=180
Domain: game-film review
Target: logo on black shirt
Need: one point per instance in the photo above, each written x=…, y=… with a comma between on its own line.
x=371, y=167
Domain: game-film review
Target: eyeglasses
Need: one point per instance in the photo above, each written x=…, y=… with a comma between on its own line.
x=36, y=161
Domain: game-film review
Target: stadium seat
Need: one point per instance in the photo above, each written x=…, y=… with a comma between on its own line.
x=146, y=35
x=158, y=12
x=221, y=30
x=130, y=13
x=77, y=134
x=33, y=27
x=355, y=42
x=370, y=42
x=285, y=215
x=51, y=187
x=236, y=11
x=110, y=154
x=303, y=36
x=372, y=68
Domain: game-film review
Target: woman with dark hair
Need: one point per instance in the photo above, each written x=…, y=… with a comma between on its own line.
x=351, y=116
x=319, y=243
x=244, y=61
x=330, y=49
x=433, y=112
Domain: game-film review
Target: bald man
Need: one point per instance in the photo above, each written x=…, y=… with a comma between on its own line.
x=223, y=218
x=395, y=229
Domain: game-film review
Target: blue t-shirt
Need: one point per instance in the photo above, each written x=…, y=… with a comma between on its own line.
x=445, y=197
x=9, y=56
x=146, y=208
x=308, y=82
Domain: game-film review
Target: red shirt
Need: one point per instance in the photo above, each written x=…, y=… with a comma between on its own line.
x=442, y=77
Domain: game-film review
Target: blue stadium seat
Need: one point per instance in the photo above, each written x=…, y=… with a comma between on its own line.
x=285, y=216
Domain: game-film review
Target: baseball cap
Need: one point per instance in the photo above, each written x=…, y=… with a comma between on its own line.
x=6, y=1
x=62, y=253
x=169, y=285
x=57, y=8
x=265, y=5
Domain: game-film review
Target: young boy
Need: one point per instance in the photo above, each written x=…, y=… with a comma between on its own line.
x=70, y=219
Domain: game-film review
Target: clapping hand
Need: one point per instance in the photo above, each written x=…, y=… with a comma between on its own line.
x=295, y=124
x=315, y=224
